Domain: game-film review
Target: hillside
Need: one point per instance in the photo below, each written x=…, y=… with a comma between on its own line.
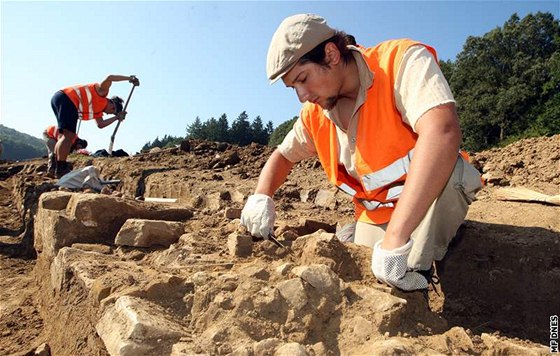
x=19, y=146
x=211, y=289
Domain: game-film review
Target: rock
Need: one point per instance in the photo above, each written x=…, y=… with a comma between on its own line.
x=240, y=245
x=201, y=278
x=72, y=263
x=284, y=268
x=215, y=201
x=319, y=349
x=321, y=277
x=304, y=195
x=52, y=231
x=309, y=226
x=289, y=235
x=497, y=346
x=183, y=348
x=100, y=290
x=242, y=350
x=93, y=248
x=43, y=350
x=55, y=201
x=134, y=326
x=148, y=233
x=294, y=292
x=256, y=272
x=291, y=349
x=393, y=346
x=458, y=338
x=232, y=213
x=93, y=218
x=383, y=310
x=362, y=328
x=266, y=346
x=326, y=199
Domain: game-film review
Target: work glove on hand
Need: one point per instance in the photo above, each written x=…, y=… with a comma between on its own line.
x=135, y=81
x=391, y=267
x=258, y=215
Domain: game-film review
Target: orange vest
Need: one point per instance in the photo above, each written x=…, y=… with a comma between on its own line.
x=90, y=105
x=384, y=143
x=52, y=132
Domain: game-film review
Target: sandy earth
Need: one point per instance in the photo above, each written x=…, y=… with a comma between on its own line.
x=502, y=278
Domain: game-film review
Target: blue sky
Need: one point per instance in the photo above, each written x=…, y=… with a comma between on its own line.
x=201, y=58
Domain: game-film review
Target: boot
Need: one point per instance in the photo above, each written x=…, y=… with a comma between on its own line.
x=51, y=166
x=62, y=168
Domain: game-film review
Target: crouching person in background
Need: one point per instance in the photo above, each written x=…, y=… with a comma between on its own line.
x=50, y=137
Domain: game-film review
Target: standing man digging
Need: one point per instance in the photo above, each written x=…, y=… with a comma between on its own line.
x=384, y=125
x=84, y=102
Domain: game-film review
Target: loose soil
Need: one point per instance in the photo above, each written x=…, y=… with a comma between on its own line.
x=502, y=276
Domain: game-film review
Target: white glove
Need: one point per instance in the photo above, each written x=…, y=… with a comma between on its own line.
x=391, y=267
x=258, y=215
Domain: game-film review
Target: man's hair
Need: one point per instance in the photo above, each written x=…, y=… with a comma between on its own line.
x=118, y=104
x=340, y=39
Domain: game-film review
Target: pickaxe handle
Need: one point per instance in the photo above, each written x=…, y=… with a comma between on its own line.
x=119, y=123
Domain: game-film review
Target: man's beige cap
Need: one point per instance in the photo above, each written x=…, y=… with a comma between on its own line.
x=296, y=35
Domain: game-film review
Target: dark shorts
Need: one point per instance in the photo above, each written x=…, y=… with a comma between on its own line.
x=65, y=111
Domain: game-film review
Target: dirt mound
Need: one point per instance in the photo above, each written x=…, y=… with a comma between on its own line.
x=530, y=162
x=218, y=291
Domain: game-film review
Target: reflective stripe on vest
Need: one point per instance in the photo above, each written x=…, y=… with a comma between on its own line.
x=372, y=204
x=392, y=194
x=80, y=100
x=347, y=189
x=388, y=174
x=381, y=178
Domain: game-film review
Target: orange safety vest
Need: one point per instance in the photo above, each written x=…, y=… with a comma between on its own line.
x=52, y=132
x=384, y=143
x=90, y=105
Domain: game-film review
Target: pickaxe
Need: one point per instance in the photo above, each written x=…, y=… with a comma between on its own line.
x=119, y=123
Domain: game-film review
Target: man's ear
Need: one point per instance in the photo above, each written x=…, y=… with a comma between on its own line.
x=332, y=54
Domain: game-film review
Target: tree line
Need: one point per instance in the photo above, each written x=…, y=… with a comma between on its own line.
x=241, y=132
x=506, y=84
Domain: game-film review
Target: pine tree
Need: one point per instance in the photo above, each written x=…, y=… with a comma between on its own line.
x=241, y=130
x=195, y=129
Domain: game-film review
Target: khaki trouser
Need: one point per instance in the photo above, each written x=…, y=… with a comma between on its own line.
x=50, y=143
x=441, y=222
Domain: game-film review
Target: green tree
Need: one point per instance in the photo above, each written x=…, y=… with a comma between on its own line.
x=269, y=129
x=223, y=129
x=210, y=130
x=281, y=131
x=241, y=130
x=195, y=130
x=500, y=80
x=548, y=119
x=258, y=131
x=447, y=68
